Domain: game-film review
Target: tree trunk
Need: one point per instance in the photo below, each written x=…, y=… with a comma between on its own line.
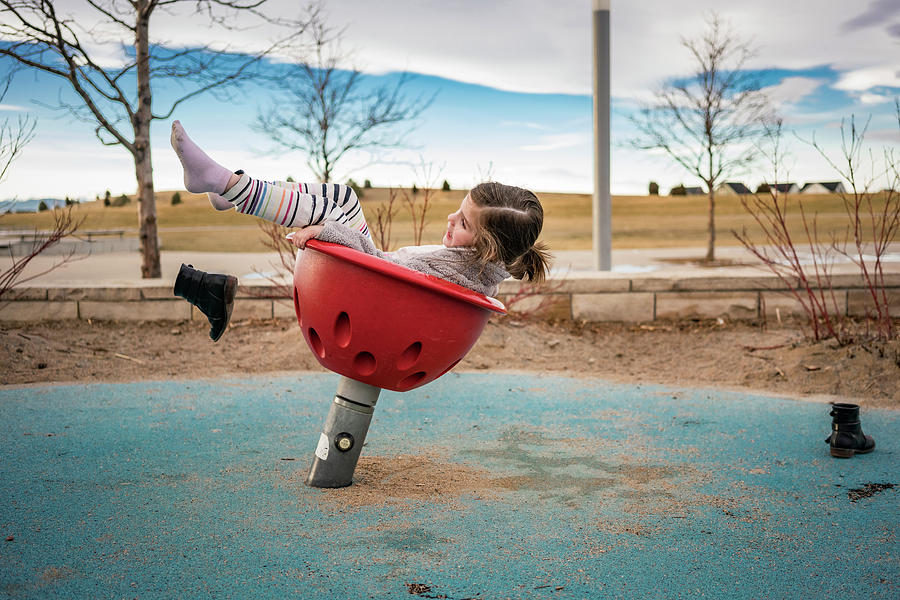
x=711, y=244
x=150, y=265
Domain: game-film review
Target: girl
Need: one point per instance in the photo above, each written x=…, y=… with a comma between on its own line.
x=491, y=236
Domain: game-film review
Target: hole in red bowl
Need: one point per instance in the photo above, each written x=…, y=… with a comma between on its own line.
x=364, y=363
x=297, y=306
x=342, y=330
x=411, y=381
x=409, y=356
x=316, y=343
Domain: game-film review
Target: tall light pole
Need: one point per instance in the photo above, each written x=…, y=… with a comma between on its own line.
x=602, y=205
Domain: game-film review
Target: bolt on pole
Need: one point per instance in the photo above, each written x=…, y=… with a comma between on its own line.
x=602, y=205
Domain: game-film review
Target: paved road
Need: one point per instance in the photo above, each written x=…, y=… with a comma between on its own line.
x=180, y=489
x=123, y=268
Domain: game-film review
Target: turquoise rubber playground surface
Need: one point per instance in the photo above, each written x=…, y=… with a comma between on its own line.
x=577, y=488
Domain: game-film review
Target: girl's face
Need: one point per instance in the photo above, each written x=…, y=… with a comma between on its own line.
x=461, y=225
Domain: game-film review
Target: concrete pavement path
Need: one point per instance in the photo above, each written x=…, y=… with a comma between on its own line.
x=123, y=268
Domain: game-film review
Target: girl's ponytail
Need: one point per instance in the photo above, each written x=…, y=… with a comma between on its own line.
x=534, y=264
x=509, y=223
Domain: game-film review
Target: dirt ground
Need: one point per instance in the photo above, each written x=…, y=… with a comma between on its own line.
x=697, y=354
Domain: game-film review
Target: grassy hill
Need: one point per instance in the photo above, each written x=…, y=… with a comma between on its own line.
x=637, y=222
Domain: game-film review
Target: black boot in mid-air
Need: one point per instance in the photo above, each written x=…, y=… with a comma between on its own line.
x=212, y=293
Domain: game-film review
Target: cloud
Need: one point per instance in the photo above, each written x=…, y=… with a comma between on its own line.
x=877, y=13
x=557, y=142
x=527, y=125
x=108, y=55
x=867, y=98
x=884, y=135
x=793, y=89
x=532, y=46
x=859, y=80
x=546, y=47
x=564, y=173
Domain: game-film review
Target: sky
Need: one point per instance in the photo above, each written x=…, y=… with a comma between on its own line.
x=512, y=85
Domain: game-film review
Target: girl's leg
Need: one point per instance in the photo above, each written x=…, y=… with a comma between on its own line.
x=297, y=204
x=286, y=203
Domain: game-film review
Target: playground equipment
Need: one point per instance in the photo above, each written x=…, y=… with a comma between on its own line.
x=380, y=326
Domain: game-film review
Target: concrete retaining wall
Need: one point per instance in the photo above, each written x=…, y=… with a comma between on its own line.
x=151, y=302
x=579, y=296
x=740, y=296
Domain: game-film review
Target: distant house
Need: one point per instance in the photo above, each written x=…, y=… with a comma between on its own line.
x=783, y=188
x=733, y=188
x=823, y=187
x=693, y=191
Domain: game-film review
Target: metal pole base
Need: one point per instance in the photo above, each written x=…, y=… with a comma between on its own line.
x=342, y=437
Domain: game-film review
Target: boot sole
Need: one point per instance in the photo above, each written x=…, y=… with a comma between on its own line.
x=231, y=283
x=230, y=291
x=848, y=452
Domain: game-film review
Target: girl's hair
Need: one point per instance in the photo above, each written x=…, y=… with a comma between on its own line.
x=510, y=220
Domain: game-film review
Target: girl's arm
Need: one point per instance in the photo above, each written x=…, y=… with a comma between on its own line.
x=301, y=236
x=345, y=236
x=337, y=233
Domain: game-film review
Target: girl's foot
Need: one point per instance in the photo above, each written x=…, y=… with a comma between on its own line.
x=218, y=202
x=201, y=173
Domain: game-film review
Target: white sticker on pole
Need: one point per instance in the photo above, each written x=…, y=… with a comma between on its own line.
x=322, y=448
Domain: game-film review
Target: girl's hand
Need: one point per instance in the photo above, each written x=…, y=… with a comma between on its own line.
x=300, y=237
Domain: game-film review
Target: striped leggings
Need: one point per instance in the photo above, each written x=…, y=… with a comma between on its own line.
x=298, y=204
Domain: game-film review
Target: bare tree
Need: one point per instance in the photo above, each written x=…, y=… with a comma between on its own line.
x=427, y=175
x=14, y=135
x=874, y=217
x=706, y=122
x=800, y=261
x=326, y=111
x=383, y=220
x=873, y=222
x=119, y=101
x=64, y=225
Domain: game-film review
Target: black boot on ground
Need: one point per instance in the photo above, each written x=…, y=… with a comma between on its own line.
x=212, y=293
x=847, y=437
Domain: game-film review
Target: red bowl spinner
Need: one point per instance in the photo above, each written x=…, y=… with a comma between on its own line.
x=381, y=323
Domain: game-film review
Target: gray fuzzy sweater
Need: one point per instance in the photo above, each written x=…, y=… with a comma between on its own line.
x=447, y=263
